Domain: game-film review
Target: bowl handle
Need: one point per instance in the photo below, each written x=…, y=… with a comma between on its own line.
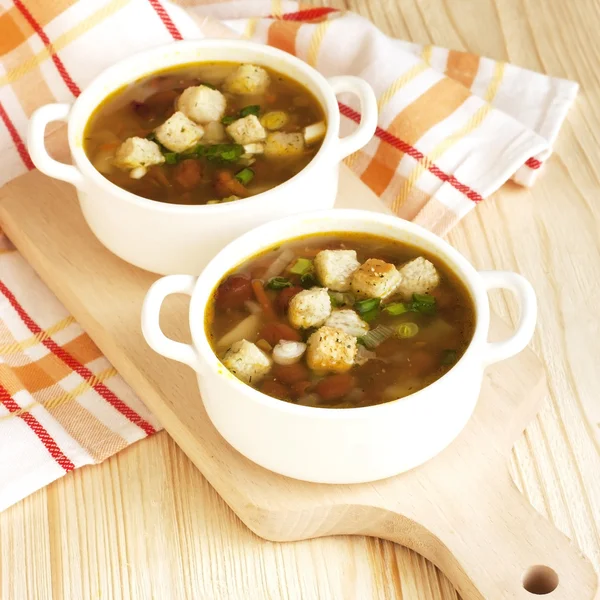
x=156, y=339
x=496, y=351
x=37, y=146
x=368, y=109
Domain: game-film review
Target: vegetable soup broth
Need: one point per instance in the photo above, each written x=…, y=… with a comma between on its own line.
x=408, y=346
x=194, y=177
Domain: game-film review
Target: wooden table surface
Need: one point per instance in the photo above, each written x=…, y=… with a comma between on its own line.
x=145, y=524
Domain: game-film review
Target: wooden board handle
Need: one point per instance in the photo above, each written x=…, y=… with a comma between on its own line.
x=491, y=543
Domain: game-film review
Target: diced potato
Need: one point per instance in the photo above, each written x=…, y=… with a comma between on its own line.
x=329, y=349
x=334, y=268
x=202, y=104
x=214, y=132
x=281, y=144
x=138, y=172
x=418, y=276
x=247, y=79
x=274, y=120
x=178, y=133
x=254, y=148
x=138, y=152
x=247, y=361
x=309, y=308
x=313, y=133
x=247, y=130
x=348, y=321
x=375, y=279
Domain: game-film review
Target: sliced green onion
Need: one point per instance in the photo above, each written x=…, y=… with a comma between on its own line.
x=370, y=315
x=245, y=176
x=396, y=308
x=301, y=266
x=364, y=306
x=449, y=357
x=220, y=152
x=171, y=158
x=308, y=280
x=376, y=336
x=252, y=109
x=424, y=298
x=336, y=299
x=278, y=283
x=407, y=330
x=228, y=120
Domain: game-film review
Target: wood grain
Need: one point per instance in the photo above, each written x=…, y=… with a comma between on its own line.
x=145, y=523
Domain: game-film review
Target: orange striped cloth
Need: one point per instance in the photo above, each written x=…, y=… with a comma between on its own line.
x=453, y=127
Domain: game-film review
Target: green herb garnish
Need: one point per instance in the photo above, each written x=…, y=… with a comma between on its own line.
x=364, y=306
x=424, y=304
x=278, y=283
x=308, y=280
x=252, y=109
x=228, y=120
x=302, y=266
x=336, y=300
x=171, y=158
x=245, y=176
x=449, y=357
x=396, y=308
x=220, y=152
x=370, y=315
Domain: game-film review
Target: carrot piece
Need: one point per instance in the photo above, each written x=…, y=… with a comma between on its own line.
x=335, y=386
x=226, y=184
x=285, y=296
x=263, y=299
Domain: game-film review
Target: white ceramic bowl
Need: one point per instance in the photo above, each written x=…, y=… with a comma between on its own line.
x=338, y=445
x=167, y=238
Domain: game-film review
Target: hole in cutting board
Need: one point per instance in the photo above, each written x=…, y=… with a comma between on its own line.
x=540, y=580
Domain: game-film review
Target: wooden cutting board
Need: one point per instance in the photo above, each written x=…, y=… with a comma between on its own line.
x=460, y=510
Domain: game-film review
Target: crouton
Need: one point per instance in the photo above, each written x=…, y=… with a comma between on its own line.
x=334, y=268
x=247, y=361
x=138, y=152
x=375, y=279
x=178, y=133
x=247, y=130
x=309, y=308
x=348, y=321
x=202, y=104
x=418, y=276
x=331, y=349
x=284, y=144
x=247, y=79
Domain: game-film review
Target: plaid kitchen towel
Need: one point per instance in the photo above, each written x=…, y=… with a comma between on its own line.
x=453, y=127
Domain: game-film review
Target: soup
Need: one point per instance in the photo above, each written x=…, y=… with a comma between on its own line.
x=205, y=133
x=340, y=321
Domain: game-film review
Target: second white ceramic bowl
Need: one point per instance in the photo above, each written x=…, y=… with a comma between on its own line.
x=351, y=445
x=170, y=238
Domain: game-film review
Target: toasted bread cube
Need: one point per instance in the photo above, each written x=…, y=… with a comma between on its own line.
x=375, y=279
x=178, y=133
x=335, y=268
x=331, y=349
x=309, y=308
x=247, y=361
x=281, y=144
x=138, y=152
x=247, y=79
x=202, y=104
x=348, y=321
x=247, y=130
x=313, y=133
x=418, y=276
